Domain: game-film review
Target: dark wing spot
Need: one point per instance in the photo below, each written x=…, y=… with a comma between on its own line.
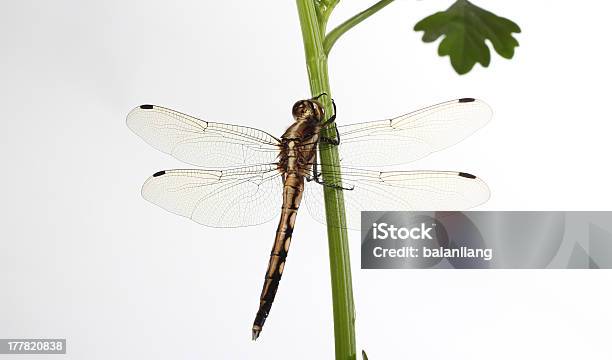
x=146, y=107
x=467, y=100
x=159, y=173
x=466, y=175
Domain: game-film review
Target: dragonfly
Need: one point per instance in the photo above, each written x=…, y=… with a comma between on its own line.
x=247, y=176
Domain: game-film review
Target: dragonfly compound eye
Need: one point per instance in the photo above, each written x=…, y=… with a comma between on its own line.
x=308, y=109
x=319, y=111
x=302, y=109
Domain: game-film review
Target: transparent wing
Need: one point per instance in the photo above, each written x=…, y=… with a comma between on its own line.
x=202, y=143
x=411, y=136
x=219, y=198
x=399, y=191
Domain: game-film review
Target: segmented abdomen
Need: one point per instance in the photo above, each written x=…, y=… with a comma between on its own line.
x=292, y=196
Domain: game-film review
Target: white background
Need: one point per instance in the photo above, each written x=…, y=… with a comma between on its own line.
x=83, y=256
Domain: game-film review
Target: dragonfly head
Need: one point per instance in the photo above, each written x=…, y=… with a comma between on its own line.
x=304, y=110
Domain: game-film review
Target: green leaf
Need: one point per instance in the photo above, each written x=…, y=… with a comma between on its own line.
x=466, y=27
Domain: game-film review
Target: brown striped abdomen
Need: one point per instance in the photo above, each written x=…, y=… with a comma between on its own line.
x=292, y=196
x=299, y=146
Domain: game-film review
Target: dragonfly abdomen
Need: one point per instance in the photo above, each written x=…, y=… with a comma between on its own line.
x=292, y=196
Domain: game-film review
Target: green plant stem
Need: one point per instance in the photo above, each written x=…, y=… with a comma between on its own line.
x=335, y=34
x=324, y=9
x=339, y=260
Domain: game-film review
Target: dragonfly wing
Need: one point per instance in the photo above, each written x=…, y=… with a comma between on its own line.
x=202, y=143
x=218, y=198
x=411, y=136
x=399, y=191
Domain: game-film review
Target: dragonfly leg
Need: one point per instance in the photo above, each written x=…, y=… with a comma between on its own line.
x=332, y=119
x=318, y=96
x=332, y=141
x=315, y=174
x=333, y=186
x=316, y=177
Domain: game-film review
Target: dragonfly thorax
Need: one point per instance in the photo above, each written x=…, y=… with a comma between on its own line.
x=305, y=110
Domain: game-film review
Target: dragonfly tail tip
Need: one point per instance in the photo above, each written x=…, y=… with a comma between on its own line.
x=256, y=333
